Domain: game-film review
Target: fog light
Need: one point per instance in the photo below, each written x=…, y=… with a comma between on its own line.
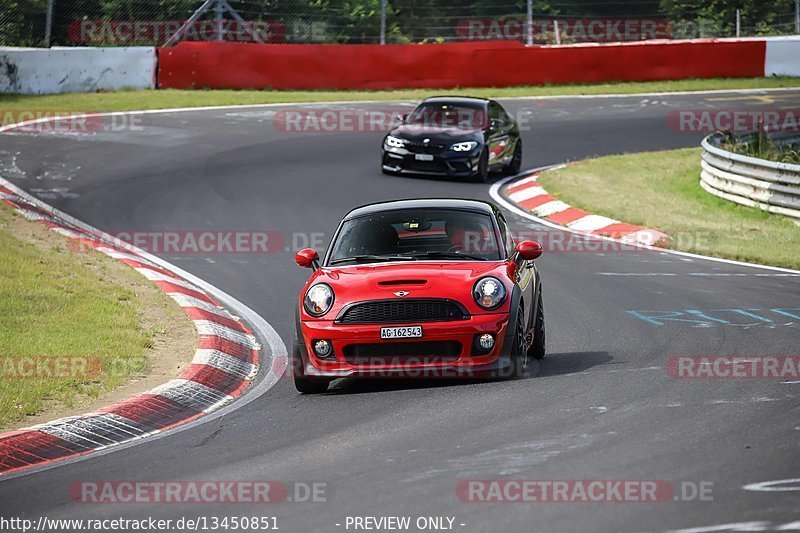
x=322, y=348
x=486, y=341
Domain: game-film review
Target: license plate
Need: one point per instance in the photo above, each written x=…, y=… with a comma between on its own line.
x=404, y=332
x=423, y=157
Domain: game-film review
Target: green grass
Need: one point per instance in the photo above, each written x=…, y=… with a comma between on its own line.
x=660, y=190
x=128, y=100
x=54, y=302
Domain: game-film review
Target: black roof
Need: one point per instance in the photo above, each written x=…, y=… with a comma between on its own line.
x=458, y=100
x=478, y=206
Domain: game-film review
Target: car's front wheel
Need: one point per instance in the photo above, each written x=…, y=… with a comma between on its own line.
x=482, y=174
x=515, y=164
x=537, y=348
x=519, y=355
x=303, y=383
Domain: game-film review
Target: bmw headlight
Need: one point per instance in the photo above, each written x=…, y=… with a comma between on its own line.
x=467, y=146
x=489, y=293
x=395, y=142
x=318, y=300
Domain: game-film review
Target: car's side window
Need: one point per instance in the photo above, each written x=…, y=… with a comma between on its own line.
x=494, y=111
x=508, y=239
x=503, y=115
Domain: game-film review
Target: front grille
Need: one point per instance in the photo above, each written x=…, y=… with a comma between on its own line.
x=402, y=311
x=436, y=166
x=422, y=148
x=390, y=352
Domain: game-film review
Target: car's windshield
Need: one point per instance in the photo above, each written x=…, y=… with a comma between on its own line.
x=445, y=234
x=444, y=115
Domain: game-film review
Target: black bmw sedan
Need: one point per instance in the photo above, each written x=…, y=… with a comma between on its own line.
x=454, y=136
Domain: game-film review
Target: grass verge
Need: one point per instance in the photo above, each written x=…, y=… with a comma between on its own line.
x=166, y=99
x=76, y=326
x=660, y=190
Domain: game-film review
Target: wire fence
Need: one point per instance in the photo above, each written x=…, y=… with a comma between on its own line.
x=37, y=23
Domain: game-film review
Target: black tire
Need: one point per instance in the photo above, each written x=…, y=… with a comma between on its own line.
x=515, y=165
x=519, y=356
x=302, y=383
x=482, y=175
x=537, y=348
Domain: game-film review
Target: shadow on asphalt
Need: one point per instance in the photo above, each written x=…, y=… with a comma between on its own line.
x=557, y=364
x=493, y=177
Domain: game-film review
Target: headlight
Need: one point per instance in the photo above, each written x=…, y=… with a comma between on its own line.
x=318, y=300
x=489, y=293
x=464, y=147
x=395, y=142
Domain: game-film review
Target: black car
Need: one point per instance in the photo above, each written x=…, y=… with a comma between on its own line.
x=454, y=136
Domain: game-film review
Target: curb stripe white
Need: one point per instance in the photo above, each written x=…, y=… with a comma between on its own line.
x=186, y=301
x=527, y=193
x=550, y=208
x=205, y=327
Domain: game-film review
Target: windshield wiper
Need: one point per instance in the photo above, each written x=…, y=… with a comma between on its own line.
x=456, y=255
x=361, y=258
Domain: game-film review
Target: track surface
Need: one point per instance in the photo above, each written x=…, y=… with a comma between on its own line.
x=601, y=406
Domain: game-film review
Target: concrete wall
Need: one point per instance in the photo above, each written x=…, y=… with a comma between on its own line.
x=783, y=56
x=64, y=70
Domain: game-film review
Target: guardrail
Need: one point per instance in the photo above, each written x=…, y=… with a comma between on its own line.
x=768, y=185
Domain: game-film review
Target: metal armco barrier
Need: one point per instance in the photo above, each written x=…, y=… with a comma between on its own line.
x=771, y=186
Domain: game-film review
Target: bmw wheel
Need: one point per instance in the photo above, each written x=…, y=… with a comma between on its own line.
x=482, y=174
x=515, y=165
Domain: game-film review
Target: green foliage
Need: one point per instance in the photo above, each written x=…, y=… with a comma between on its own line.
x=718, y=17
x=763, y=147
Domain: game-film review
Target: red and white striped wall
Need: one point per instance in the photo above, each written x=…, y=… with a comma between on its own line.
x=224, y=364
x=530, y=196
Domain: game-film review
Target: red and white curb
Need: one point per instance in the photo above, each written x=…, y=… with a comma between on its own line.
x=528, y=195
x=224, y=365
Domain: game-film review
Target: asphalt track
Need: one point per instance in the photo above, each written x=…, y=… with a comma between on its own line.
x=601, y=406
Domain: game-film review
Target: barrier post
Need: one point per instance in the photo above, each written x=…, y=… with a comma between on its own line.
x=48, y=28
x=529, y=23
x=738, y=23
x=797, y=16
x=383, y=21
x=219, y=12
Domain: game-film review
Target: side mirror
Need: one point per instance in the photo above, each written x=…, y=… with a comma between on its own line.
x=404, y=118
x=529, y=250
x=307, y=258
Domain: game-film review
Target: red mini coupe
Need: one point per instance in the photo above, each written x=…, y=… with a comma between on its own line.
x=413, y=288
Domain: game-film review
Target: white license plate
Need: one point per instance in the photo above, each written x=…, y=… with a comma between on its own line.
x=423, y=157
x=404, y=332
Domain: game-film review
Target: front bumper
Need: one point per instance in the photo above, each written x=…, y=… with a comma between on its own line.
x=445, y=163
x=466, y=363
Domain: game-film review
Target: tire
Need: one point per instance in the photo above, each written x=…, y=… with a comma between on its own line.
x=303, y=384
x=537, y=348
x=482, y=175
x=515, y=165
x=519, y=356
